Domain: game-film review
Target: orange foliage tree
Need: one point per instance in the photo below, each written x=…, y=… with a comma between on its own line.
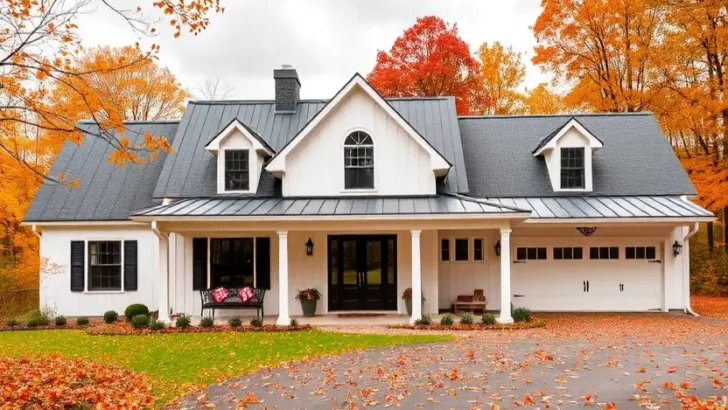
x=46, y=86
x=542, y=100
x=430, y=59
x=503, y=72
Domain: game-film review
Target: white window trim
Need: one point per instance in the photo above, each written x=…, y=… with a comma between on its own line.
x=482, y=250
x=87, y=264
x=449, y=254
x=255, y=256
x=454, y=249
x=358, y=191
x=224, y=170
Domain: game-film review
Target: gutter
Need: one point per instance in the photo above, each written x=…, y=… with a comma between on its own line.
x=686, y=278
x=157, y=232
x=34, y=229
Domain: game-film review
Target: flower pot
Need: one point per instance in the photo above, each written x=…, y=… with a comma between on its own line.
x=408, y=304
x=308, y=307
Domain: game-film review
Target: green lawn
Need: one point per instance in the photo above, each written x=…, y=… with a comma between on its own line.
x=178, y=363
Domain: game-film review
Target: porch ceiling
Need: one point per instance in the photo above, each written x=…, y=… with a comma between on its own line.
x=440, y=205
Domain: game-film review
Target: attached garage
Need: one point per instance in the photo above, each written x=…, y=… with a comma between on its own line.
x=597, y=277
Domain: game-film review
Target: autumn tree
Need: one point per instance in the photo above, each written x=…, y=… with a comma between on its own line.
x=430, y=59
x=542, y=100
x=601, y=50
x=503, y=72
x=143, y=91
x=39, y=45
x=213, y=88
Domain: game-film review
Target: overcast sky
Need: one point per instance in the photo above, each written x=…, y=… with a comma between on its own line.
x=327, y=41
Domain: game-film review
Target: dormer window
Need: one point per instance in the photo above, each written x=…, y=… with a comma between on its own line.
x=358, y=161
x=237, y=171
x=572, y=168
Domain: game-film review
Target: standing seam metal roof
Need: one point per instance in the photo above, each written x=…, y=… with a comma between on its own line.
x=191, y=171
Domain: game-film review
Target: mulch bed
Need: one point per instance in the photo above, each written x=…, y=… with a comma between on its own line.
x=124, y=328
x=536, y=323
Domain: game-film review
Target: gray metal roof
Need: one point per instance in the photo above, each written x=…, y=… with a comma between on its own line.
x=636, y=158
x=443, y=204
x=106, y=192
x=191, y=171
x=606, y=207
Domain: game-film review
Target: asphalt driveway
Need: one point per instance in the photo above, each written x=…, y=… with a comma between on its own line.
x=616, y=361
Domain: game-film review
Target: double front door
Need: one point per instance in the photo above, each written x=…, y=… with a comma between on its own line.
x=362, y=272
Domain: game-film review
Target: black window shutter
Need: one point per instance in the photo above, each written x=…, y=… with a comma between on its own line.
x=77, y=263
x=130, y=266
x=262, y=263
x=199, y=263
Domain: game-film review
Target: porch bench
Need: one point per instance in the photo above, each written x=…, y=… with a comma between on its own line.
x=476, y=301
x=232, y=301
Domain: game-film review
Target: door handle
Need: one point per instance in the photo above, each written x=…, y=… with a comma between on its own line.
x=587, y=286
x=583, y=283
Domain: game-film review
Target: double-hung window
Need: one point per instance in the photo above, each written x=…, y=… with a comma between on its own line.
x=237, y=173
x=572, y=168
x=104, y=265
x=358, y=161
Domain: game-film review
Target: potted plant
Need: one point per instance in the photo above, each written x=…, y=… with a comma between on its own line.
x=407, y=297
x=308, y=298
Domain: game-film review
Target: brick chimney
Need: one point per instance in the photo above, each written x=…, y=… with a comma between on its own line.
x=288, y=89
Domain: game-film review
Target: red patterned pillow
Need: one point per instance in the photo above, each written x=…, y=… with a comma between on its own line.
x=220, y=294
x=245, y=294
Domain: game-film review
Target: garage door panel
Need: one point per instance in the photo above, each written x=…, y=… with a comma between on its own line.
x=587, y=284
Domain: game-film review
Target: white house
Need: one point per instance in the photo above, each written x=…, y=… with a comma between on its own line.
x=554, y=212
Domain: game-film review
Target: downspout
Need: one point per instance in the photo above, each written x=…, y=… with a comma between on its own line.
x=34, y=229
x=686, y=278
x=156, y=231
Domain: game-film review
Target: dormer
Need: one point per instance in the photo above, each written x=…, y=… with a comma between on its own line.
x=240, y=154
x=568, y=153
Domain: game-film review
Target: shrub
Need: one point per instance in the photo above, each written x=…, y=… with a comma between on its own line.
x=82, y=321
x=61, y=320
x=140, y=321
x=12, y=322
x=521, y=314
x=33, y=322
x=111, y=316
x=183, y=321
x=157, y=325
x=467, y=319
x=40, y=317
x=447, y=320
x=256, y=322
x=207, y=322
x=294, y=322
x=425, y=320
x=235, y=322
x=488, y=319
x=136, y=309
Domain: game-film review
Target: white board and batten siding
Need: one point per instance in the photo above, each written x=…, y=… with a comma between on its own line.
x=315, y=167
x=304, y=271
x=55, y=277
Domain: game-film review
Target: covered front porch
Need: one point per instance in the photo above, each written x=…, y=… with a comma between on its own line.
x=360, y=264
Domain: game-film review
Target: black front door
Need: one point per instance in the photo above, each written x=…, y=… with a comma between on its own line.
x=362, y=272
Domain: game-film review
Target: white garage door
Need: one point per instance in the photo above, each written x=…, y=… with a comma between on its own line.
x=598, y=278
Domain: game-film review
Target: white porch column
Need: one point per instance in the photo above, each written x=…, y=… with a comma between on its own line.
x=163, y=273
x=416, y=277
x=283, y=318
x=505, y=278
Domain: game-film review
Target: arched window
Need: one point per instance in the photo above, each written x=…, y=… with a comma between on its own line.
x=358, y=161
